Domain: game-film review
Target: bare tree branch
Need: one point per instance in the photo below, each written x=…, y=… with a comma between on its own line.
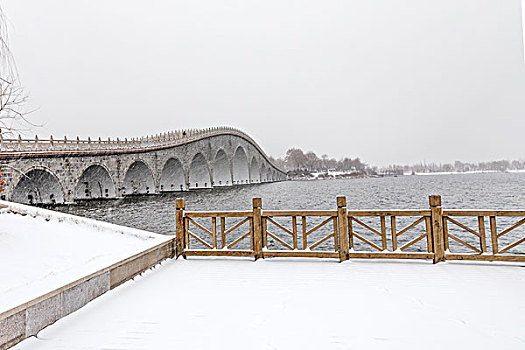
x=12, y=96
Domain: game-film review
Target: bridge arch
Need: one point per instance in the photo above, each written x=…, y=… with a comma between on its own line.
x=199, y=174
x=38, y=185
x=241, y=172
x=95, y=182
x=138, y=179
x=255, y=176
x=269, y=174
x=263, y=173
x=222, y=174
x=172, y=177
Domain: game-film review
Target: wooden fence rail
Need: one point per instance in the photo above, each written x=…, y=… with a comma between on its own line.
x=479, y=250
x=346, y=234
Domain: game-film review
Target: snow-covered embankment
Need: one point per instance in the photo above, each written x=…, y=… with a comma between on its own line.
x=55, y=263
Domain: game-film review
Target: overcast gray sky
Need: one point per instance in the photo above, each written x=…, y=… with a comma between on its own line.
x=388, y=80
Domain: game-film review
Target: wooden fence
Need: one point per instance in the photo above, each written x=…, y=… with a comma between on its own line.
x=431, y=233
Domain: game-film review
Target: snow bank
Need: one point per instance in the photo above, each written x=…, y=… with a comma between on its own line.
x=306, y=304
x=41, y=250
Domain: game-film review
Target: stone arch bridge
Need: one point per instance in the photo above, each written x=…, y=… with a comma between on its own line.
x=63, y=171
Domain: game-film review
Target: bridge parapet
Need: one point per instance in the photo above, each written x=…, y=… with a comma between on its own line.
x=167, y=139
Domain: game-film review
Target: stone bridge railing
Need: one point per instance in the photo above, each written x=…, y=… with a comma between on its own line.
x=158, y=141
x=167, y=139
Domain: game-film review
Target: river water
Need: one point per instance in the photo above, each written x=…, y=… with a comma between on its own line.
x=459, y=191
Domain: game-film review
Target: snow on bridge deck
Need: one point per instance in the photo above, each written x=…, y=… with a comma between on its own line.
x=283, y=304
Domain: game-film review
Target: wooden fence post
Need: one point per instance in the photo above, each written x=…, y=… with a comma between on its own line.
x=257, y=228
x=342, y=228
x=437, y=228
x=180, y=205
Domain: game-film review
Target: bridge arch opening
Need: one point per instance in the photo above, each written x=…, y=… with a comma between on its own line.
x=38, y=186
x=222, y=175
x=95, y=182
x=241, y=174
x=269, y=175
x=172, y=178
x=138, y=179
x=263, y=173
x=199, y=172
x=255, y=176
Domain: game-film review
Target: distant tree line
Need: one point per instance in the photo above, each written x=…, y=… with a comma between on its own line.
x=457, y=166
x=298, y=163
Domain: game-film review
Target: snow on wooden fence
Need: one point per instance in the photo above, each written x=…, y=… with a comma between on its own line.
x=345, y=234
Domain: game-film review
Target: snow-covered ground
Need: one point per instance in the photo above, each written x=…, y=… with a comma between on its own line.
x=283, y=304
x=42, y=250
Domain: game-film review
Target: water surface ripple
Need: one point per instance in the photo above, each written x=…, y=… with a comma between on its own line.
x=465, y=191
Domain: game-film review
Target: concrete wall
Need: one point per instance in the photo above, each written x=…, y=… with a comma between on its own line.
x=28, y=319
